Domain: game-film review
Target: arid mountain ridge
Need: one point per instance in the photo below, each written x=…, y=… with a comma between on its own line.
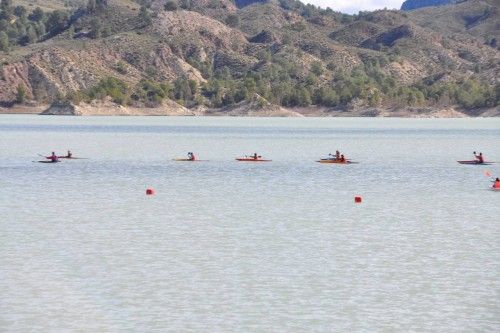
x=216, y=54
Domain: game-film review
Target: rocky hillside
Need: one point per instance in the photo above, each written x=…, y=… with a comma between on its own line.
x=219, y=54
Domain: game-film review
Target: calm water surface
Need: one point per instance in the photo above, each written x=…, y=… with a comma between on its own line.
x=233, y=247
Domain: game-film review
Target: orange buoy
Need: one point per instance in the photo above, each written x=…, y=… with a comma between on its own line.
x=150, y=191
x=358, y=199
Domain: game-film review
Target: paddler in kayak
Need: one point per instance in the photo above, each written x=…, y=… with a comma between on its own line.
x=336, y=156
x=191, y=156
x=69, y=155
x=479, y=158
x=255, y=156
x=496, y=184
x=53, y=157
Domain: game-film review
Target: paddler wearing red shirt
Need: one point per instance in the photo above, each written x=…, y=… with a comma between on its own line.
x=496, y=184
x=479, y=158
x=53, y=157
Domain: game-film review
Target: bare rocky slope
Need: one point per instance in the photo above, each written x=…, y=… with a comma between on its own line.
x=168, y=57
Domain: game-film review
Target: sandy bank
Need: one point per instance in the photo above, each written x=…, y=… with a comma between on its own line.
x=255, y=108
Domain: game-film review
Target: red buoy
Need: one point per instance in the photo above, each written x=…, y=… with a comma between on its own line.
x=150, y=191
x=358, y=199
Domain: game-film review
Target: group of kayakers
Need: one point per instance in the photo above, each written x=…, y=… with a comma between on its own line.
x=479, y=159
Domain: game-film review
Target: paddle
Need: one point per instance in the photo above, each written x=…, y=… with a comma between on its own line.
x=74, y=158
x=487, y=173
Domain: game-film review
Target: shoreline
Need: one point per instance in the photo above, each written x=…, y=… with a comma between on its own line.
x=309, y=112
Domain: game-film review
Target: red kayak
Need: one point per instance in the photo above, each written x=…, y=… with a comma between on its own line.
x=251, y=159
x=475, y=162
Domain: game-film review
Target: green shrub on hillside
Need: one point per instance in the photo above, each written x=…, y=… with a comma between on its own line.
x=37, y=15
x=56, y=21
x=4, y=42
x=150, y=93
x=96, y=5
x=96, y=28
x=112, y=87
x=120, y=67
x=145, y=16
x=171, y=6
x=233, y=21
x=20, y=94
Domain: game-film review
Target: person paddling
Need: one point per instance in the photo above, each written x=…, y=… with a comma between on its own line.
x=69, y=155
x=336, y=156
x=191, y=156
x=496, y=184
x=255, y=156
x=479, y=158
x=342, y=158
x=53, y=157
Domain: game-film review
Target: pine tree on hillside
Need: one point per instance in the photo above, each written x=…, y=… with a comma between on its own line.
x=4, y=42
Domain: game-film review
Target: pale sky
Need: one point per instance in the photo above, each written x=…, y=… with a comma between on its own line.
x=354, y=6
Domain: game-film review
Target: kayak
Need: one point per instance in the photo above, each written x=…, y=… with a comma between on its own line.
x=247, y=159
x=333, y=161
x=47, y=161
x=188, y=160
x=73, y=158
x=474, y=163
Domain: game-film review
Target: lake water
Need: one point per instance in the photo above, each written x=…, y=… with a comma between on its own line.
x=226, y=246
